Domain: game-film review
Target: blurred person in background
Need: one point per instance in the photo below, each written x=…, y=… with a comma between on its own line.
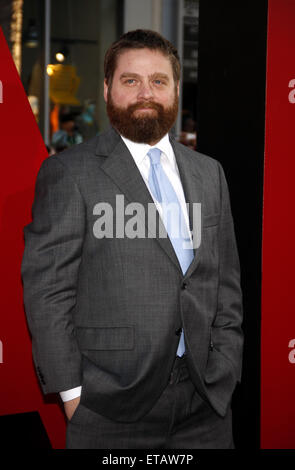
x=188, y=135
x=67, y=135
x=86, y=121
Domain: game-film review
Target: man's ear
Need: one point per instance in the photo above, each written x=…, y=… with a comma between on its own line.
x=178, y=83
x=105, y=90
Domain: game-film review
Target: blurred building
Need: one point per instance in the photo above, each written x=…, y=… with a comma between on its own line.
x=59, y=45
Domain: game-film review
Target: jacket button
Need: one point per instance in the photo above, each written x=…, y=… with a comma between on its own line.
x=184, y=285
x=177, y=332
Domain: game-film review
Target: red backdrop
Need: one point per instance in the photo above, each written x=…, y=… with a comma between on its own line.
x=278, y=263
x=22, y=151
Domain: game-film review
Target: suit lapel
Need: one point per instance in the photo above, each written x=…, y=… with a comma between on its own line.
x=121, y=168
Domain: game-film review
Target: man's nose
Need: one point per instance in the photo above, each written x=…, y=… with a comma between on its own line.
x=145, y=91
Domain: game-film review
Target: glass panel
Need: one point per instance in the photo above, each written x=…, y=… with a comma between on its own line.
x=190, y=39
x=80, y=35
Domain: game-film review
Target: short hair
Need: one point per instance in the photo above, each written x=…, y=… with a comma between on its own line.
x=66, y=117
x=140, y=39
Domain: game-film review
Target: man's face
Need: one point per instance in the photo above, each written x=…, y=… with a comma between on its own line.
x=142, y=102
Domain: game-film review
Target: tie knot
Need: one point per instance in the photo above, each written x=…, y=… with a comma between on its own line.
x=155, y=155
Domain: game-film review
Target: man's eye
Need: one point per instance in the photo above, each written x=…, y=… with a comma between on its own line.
x=159, y=82
x=130, y=81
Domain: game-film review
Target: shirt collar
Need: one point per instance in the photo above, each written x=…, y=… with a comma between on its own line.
x=139, y=151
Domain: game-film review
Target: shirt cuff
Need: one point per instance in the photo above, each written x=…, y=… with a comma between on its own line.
x=71, y=394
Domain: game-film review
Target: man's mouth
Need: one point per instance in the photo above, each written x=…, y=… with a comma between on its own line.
x=145, y=109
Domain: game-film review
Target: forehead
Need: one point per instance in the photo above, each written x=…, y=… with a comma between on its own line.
x=143, y=61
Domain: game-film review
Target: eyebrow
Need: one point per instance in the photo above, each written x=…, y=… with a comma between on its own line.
x=127, y=74
x=136, y=75
x=164, y=76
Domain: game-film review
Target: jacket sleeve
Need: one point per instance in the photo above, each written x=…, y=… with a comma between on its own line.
x=53, y=246
x=225, y=361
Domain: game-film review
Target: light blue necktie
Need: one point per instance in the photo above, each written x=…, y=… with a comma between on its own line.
x=164, y=192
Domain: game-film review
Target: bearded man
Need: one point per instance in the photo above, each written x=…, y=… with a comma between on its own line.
x=140, y=332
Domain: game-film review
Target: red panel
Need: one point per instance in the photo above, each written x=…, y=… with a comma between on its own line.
x=278, y=263
x=21, y=152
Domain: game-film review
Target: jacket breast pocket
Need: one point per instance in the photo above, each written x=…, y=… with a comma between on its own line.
x=210, y=240
x=106, y=338
x=211, y=220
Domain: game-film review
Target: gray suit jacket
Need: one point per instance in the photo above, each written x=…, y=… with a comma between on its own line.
x=106, y=313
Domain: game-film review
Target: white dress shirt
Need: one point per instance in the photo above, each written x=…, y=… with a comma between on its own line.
x=169, y=165
x=168, y=162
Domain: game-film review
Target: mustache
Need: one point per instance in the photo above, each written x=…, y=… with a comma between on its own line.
x=145, y=105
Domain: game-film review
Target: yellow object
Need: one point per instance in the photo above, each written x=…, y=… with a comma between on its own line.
x=64, y=83
x=49, y=70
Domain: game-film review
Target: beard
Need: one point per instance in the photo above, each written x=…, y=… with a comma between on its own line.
x=146, y=127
